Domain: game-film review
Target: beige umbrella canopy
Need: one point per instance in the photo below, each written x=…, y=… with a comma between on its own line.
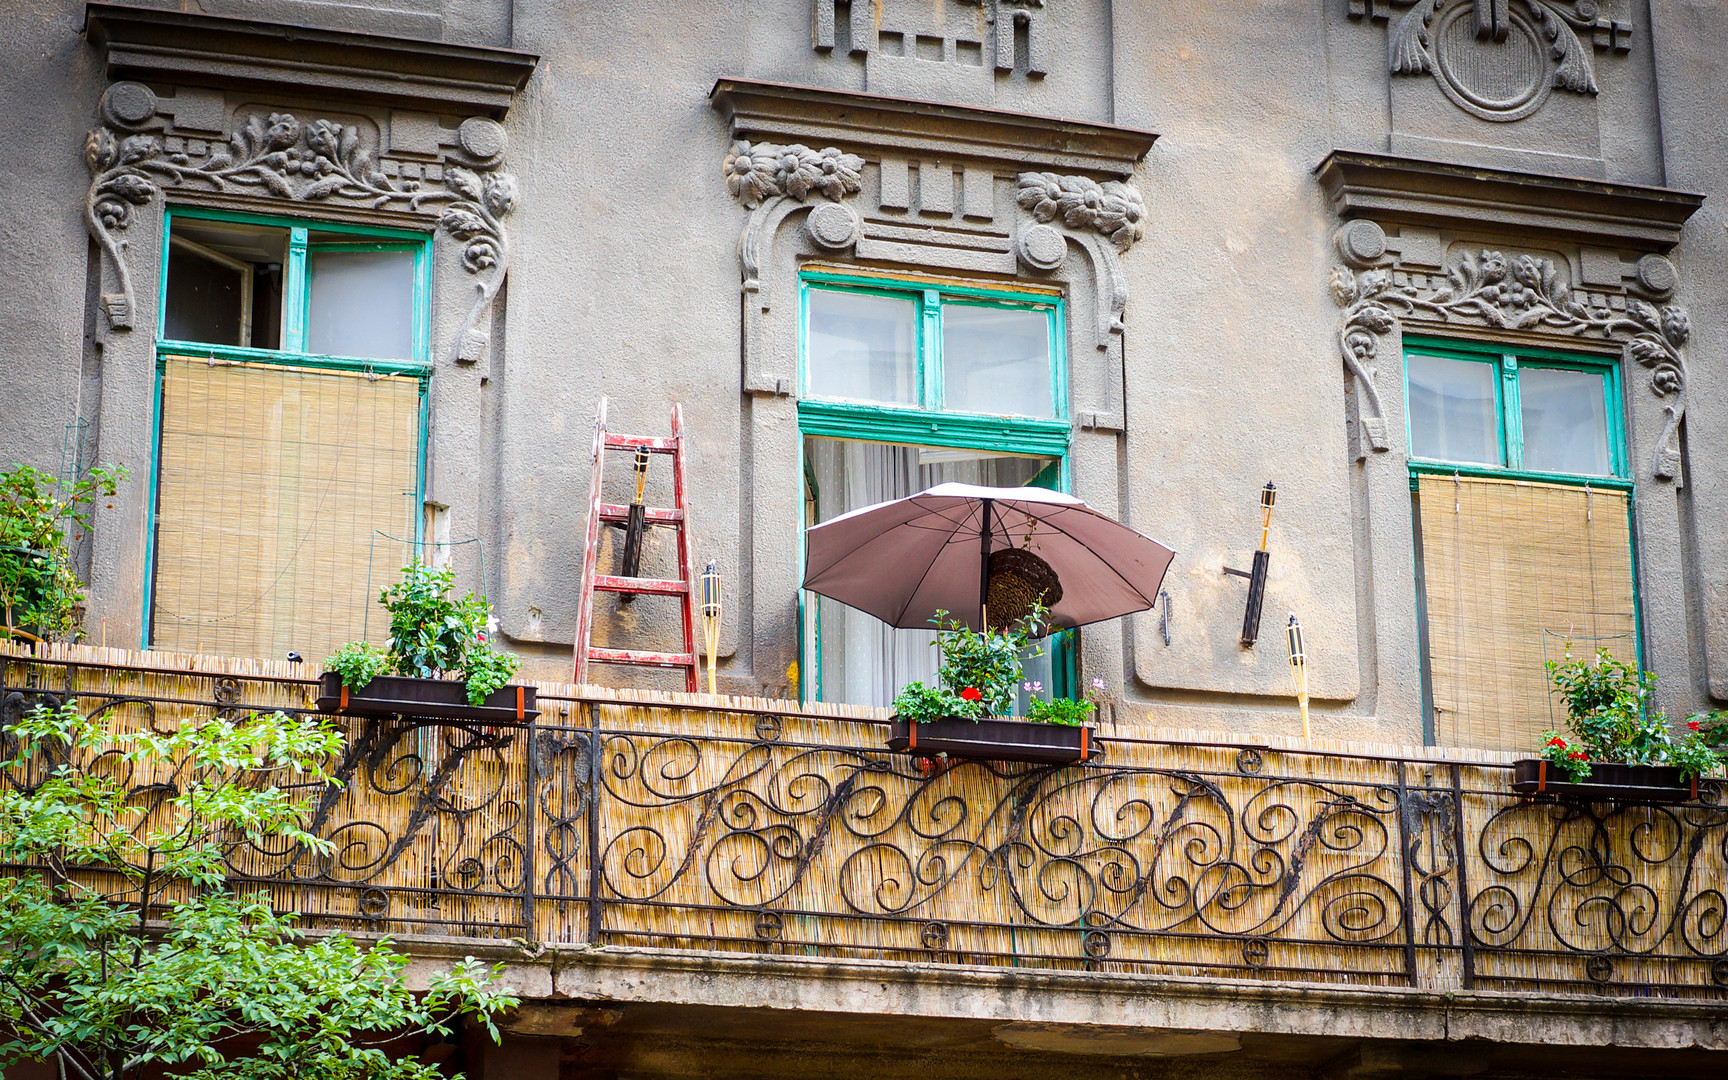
x=951, y=548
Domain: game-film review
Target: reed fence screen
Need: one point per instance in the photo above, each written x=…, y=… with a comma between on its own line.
x=677, y=821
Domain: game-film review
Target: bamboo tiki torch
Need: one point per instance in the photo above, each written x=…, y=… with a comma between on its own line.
x=711, y=618
x=1299, y=672
x=636, y=524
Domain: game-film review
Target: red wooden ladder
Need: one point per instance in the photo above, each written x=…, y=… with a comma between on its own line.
x=593, y=581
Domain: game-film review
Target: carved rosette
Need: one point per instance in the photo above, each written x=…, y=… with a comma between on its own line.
x=1497, y=59
x=1518, y=292
x=1106, y=219
x=775, y=181
x=277, y=156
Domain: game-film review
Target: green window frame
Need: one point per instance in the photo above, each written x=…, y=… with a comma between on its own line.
x=296, y=299
x=1510, y=362
x=930, y=424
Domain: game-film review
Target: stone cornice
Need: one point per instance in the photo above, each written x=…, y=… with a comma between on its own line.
x=156, y=45
x=777, y=112
x=1391, y=189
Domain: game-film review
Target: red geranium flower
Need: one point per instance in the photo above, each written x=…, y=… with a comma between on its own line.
x=1578, y=755
x=1557, y=741
x=1695, y=725
x=972, y=693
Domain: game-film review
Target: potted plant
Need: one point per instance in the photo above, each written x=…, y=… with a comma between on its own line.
x=40, y=594
x=432, y=637
x=1621, y=747
x=967, y=713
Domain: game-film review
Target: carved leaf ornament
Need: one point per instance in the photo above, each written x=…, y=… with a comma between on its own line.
x=1522, y=292
x=756, y=172
x=1112, y=209
x=1411, y=46
x=277, y=156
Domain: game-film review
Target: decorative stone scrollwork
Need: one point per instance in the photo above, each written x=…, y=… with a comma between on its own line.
x=1105, y=218
x=1498, y=59
x=278, y=156
x=1520, y=292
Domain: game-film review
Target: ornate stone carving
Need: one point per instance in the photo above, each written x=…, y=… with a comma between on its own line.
x=1497, y=59
x=1112, y=209
x=278, y=156
x=1521, y=292
x=758, y=172
x=1105, y=218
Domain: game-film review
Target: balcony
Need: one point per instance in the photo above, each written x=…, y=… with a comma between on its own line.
x=674, y=822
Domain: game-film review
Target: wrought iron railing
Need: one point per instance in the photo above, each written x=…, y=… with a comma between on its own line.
x=747, y=827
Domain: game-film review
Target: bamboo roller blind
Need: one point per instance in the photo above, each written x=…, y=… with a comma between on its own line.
x=1512, y=571
x=273, y=483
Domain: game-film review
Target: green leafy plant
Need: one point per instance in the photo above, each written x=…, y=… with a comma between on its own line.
x=155, y=964
x=431, y=634
x=39, y=523
x=1612, y=719
x=1065, y=710
x=358, y=662
x=978, y=673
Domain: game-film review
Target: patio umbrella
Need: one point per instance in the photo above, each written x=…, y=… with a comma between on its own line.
x=904, y=560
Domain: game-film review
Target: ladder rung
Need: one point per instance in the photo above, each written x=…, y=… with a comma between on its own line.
x=614, y=512
x=630, y=442
x=640, y=658
x=659, y=586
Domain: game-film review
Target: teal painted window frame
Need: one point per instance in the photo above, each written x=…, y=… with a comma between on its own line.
x=295, y=299
x=928, y=424
x=1509, y=361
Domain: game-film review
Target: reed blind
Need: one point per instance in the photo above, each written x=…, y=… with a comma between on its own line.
x=273, y=484
x=1512, y=570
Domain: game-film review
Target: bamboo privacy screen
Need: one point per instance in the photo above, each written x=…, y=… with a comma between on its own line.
x=743, y=825
x=1513, y=570
x=273, y=481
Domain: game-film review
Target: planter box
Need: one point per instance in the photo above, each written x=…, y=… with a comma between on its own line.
x=1607, y=783
x=438, y=699
x=995, y=740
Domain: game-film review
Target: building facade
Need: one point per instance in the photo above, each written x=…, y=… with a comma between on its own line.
x=342, y=285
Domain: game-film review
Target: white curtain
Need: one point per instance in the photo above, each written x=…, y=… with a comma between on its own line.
x=864, y=661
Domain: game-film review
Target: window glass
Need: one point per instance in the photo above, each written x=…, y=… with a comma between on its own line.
x=1565, y=417
x=360, y=304
x=862, y=346
x=224, y=283
x=1453, y=415
x=863, y=660
x=996, y=360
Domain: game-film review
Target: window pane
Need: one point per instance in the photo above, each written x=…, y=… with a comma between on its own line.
x=863, y=660
x=274, y=486
x=361, y=304
x=862, y=347
x=996, y=360
x=1565, y=421
x=1453, y=416
x=224, y=283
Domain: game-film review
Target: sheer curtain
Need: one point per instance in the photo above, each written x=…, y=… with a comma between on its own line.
x=860, y=659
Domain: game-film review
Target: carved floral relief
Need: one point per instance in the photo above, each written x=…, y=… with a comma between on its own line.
x=1518, y=292
x=278, y=156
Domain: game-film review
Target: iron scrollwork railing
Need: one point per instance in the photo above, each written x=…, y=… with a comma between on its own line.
x=645, y=823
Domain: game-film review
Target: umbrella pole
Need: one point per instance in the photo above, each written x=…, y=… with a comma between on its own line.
x=984, y=571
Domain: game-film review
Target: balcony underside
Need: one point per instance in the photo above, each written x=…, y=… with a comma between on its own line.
x=669, y=853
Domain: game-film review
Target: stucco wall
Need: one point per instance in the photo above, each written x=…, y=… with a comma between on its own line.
x=625, y=282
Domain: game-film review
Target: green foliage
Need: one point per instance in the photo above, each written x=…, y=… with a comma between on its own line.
x=1612, y=718
x=921, y=704
x=431, y=633
x=978, y=672
x=39, y=589
x=1060, y=711
x=358, y=662
x=86, y=984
